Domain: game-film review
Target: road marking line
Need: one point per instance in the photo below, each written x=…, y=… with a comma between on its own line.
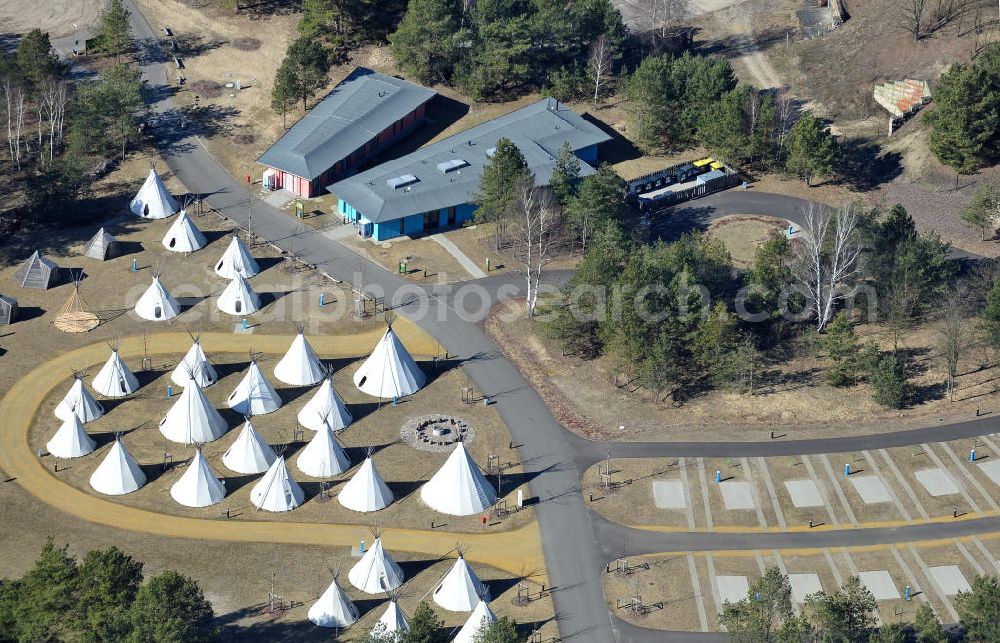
x=833, y=567
x=704, y=494
x=836, y=487
x=822, y=491
x=907, y=487
x=986, y=552
x=964, y=468
x=895, y=499
x=689, y=500
x=969, y=557
x=698, y=598
x=745, y=463
x=762, y=463
x=712, y=579
x=931, y=583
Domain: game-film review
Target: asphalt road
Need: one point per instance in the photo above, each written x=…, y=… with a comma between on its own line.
x=575, y=541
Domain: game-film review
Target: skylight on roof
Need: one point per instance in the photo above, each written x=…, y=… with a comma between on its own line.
x=401, y=181
x=452, y=165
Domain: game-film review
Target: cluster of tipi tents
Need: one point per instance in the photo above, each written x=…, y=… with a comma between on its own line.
x=377, y=573
x=458, y=488
x=153, y=201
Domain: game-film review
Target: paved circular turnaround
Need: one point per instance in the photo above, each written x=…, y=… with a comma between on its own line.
x=575, y=541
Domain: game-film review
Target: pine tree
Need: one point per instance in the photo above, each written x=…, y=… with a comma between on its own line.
x=565, y=175
x=927, y=627
x=979, y=609
x=47, y=594
x=109, y=580
x=498, y=183
x=841, y=346
x=425, y=625
x=599, y=199
x=171, y=607
x=303, y=72
x=36, y=59
x=812, y=149
x=115, y=29
x=425, y=42
x=983, y=210
x=502, y=630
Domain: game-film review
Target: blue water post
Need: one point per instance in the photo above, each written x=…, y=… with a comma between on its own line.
x=757, y=597
x=322, y=300
x=847, y=469
x=972, y=455
x=718, y=476
x=394, y=400
x=907, y=592
x=362, y=546
x=170, y=391
x=244, y=323
x=135, y=265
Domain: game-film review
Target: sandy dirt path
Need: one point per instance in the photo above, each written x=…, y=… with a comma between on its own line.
x=510, y=551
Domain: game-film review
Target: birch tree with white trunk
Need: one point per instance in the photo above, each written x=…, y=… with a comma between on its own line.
x=534, y=234
x=599, y=64
x=829, y=253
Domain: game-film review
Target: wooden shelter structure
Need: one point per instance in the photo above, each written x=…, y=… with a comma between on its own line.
x=37, y=272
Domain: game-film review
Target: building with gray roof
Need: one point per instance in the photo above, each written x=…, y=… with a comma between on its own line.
x=362, y=115
x=433, y=187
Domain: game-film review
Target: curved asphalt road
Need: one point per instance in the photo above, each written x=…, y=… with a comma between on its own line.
x=575, y=541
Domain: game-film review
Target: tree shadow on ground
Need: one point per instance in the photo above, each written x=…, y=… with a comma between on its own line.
x=190, y=45
x=668, y=225
x=234, y=628
x=865, y=166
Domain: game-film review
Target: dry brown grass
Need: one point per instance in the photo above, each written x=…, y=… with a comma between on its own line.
x=798, y=400
x=742, y=235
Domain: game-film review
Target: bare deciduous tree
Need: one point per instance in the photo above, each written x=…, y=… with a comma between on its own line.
x=911, y=16
x=663, y=18
x=599, y=64
x=784, y=115
x=952, y=338
x=534, y=233
x=53, y=98
x=14, y=103
x=828, y=258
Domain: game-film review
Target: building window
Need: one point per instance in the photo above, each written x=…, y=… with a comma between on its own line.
x=432, y=219
x=452, y=215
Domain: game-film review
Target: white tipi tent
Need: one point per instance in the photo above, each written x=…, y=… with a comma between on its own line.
x=458, y=488
x=250, y=453
x=333, y=609
x=460, y=589
x=389, y=372
x=393, y=620
x=323, y=457
x=192, y=419
x=300, y=366
x=238, y=298
x=277, y=490
x=118, y=473
x=254, y=395
x=236, y=260
x=79, y=402
x=157, y=304
x=325, y=408
x=71, y=441
x=365, y=491
x=480, y=618
x=114, y=379
x=199, y=486
x=376, y=572
x=153, y=201
x=195, y=363
x=184, y=235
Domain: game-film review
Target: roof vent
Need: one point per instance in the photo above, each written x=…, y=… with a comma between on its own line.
x=401, y=181
x=452, y=165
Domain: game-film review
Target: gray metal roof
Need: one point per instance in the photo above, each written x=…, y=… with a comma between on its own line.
x=538, y=130
x=354, y=112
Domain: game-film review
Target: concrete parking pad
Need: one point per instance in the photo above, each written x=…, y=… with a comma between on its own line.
x=732, y=588
x=992, y=470
x=737, y=494
x=804, y=493
x=880, y=584
x=871, y=489
x=669, y=494
x=803, y=585
x=937, y=482
x=949, y=579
